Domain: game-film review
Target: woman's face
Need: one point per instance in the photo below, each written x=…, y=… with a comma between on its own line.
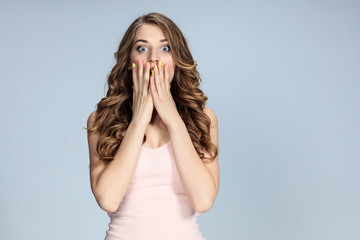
x=150, y=45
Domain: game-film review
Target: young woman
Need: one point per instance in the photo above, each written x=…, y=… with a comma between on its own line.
x=153, y=145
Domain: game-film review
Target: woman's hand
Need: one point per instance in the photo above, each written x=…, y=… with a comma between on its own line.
x=142, y=106
x=162, y=98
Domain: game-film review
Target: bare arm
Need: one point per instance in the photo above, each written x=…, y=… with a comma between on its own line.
x=110, y=182
x=200, y=180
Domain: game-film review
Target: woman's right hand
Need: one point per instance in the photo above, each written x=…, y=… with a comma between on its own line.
x=142, y=106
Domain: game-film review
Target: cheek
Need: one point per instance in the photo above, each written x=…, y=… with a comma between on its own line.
x=171, y=67
x=132, y=57
x=171, y=70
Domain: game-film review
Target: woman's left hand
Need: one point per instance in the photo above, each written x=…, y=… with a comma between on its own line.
x=161, y=94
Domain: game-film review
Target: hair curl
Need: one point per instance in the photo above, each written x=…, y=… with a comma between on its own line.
x=114, y=112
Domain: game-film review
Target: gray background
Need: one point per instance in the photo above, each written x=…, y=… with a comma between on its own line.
x=282, y=77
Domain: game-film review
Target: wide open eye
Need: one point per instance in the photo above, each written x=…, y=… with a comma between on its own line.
x=141, y=49
x=167, y=48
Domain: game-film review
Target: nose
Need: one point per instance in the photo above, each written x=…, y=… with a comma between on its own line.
x=153, y=58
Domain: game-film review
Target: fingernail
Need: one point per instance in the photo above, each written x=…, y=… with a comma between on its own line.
x=133, y=87
x=156, y=67
x=160, y=63
x=133, y=65
x=152, y=72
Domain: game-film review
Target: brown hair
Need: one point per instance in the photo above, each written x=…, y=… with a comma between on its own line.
x=114, y=112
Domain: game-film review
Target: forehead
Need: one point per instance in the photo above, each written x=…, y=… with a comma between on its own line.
x=149, y=32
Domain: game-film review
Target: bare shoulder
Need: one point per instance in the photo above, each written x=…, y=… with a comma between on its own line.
x=93, y=138
x=95, y=165
x=91, y=119
x=214, y=136
x=211, y=114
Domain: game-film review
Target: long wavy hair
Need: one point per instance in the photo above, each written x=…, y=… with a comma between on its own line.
x=114, y=112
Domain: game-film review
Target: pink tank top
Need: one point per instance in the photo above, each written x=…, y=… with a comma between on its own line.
x=155, y=205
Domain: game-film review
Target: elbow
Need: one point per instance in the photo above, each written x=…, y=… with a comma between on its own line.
x=108, y=204
x=201, y=208
x=108, y=208
x=107, y=200
x=206, y=204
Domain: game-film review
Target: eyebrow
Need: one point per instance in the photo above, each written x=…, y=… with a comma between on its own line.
x=142, y=40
